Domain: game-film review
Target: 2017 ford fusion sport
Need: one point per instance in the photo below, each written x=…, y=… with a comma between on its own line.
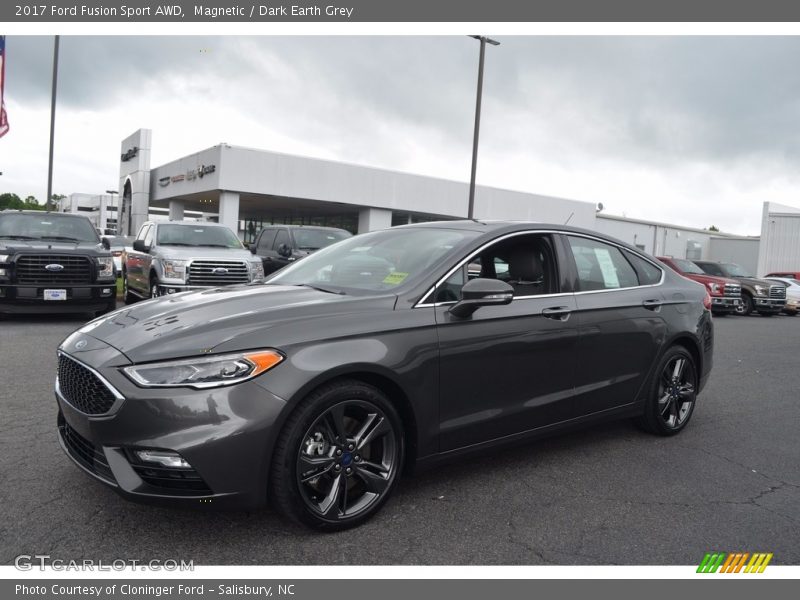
x=316, y=388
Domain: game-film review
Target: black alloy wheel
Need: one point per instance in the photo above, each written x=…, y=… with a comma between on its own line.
x=339, y=457
x=673, y=393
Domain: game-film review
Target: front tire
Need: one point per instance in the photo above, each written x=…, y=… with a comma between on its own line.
x=127, y=296
x=154, y=291
x=338, y=457
x=672, y=395
x=746, y=307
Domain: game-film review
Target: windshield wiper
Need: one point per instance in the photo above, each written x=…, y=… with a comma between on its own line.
x=307, y=248
x=18, y=237
x=213, y=245
x=319, y=288
x=64, y=238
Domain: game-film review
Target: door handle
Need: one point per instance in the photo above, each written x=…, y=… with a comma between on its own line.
x=652, y=304
x=558, y=313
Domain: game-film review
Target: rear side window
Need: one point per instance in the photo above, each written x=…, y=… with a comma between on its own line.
x=648, y=273
x=601, y=266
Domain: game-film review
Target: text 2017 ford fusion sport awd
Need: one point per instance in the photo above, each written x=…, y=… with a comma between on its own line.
x=396, y=348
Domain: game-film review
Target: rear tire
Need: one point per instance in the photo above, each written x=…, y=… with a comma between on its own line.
x=338, y=457
x=672, y=395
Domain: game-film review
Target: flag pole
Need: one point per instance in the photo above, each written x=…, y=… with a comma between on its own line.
x=52, y=124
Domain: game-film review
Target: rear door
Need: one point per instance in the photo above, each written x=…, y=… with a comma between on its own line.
x=619, y=300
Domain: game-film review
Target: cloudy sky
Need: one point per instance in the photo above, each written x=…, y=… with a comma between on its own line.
x=689, y=130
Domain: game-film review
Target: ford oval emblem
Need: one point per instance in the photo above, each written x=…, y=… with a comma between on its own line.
x=54, y=267
x=220, y=271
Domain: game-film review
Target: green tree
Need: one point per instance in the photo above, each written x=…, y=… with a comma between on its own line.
x=9, y=200
x=713, y=228
x=31, y=203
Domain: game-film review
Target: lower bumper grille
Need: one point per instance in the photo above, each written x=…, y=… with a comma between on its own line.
x=85, y=453
x=186, y=481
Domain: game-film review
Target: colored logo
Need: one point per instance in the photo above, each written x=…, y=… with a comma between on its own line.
x=734, y=562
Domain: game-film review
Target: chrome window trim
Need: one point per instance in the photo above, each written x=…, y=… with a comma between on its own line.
x=422, y=304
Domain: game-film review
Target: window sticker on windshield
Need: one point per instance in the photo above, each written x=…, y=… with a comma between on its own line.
x=394, y=278
x=199, y=230
x=362, y=249
x=607, y=267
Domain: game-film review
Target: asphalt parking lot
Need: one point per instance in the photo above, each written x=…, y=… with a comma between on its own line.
x=609, y=495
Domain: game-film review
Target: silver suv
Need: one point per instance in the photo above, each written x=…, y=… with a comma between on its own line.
x=173, y=257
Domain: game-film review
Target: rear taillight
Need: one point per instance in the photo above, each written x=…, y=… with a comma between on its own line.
x=707, y=301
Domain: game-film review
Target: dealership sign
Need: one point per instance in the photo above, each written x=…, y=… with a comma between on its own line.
x=200, y=172
x=131, y=153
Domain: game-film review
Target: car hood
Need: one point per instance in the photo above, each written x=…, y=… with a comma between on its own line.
x=751, y=281
x=50, y=246
x=710, y=278
x=204, y=252
x=194, y=323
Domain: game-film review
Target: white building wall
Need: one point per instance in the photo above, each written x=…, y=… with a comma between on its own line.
x=742, y=251
x=780, y=239
x=250, y=171
x=657, y=239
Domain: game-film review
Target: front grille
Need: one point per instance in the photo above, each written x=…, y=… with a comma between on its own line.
x=186, y=481
x=777, y=292
x=733, y=290
x=82, y=388
x=30, y=269
x=85, y=453
x=202, y=272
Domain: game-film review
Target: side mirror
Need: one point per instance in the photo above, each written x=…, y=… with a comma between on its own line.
x=284, y=251
x=252, y=247
x=105, y=243
x=481, y=292
x=139, y=246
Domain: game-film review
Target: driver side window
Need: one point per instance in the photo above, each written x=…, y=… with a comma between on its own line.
x=526, y=262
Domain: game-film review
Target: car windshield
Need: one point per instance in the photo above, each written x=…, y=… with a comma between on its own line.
x=197, y=235
x=47, y=226
x=377, y=261
x=314, y=239
x=687, y=266
x=735, y=270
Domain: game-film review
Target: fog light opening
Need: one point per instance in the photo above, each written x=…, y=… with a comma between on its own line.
x=170, y=460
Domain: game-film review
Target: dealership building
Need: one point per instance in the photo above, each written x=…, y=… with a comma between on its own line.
x=247, y=188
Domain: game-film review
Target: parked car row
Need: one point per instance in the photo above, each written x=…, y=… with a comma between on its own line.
x=732, y=289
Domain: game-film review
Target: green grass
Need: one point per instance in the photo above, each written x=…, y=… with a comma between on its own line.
x=119, y=287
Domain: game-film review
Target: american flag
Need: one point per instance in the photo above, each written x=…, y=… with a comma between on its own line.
x=3, y=115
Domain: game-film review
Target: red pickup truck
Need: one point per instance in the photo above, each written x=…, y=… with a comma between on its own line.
x=726, y=294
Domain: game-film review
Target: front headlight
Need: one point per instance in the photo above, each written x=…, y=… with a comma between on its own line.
x=204, y=372
x=713, y=288
x=256, y=271
x=174, y=269
x=760, y=290
x=3, y=258
x=106, y=267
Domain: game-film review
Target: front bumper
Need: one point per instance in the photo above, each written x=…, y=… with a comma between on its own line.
x=762, y=304
x=225, y=434
x=79, y=298
x=725, y=303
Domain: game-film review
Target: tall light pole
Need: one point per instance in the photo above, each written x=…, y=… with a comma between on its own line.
x=483, y=40
x=52, y=123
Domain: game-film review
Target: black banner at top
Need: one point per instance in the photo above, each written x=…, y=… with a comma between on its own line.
x=242, y=11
